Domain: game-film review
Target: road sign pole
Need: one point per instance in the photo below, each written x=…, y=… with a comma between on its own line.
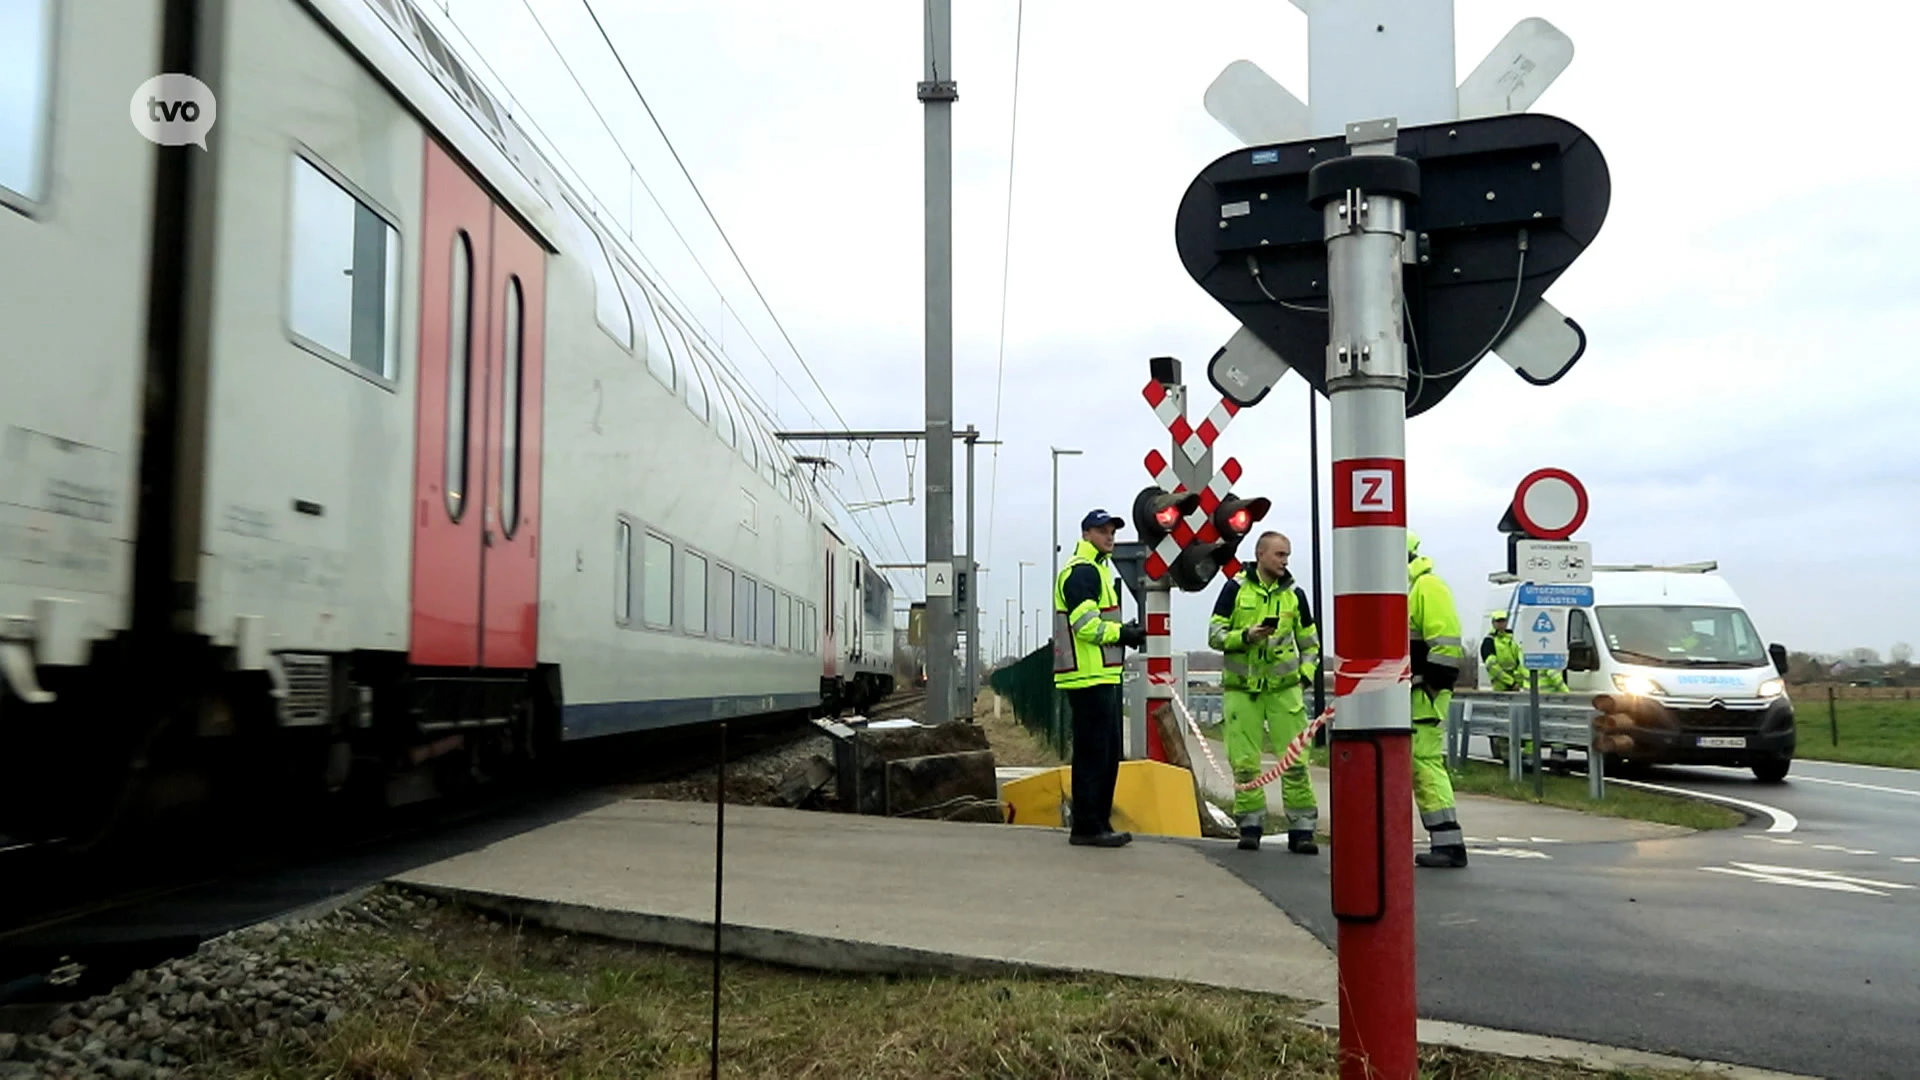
x=1539, y=782
x=1361, y=199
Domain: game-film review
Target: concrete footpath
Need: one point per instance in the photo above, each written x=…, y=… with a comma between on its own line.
x=843, y=892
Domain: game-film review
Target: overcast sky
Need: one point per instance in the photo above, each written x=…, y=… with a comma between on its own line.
x=1752, y=302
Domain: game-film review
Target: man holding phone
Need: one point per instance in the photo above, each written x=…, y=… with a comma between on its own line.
x=1264, y=627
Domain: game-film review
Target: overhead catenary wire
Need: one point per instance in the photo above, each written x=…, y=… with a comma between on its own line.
x=660, y=280
x=771, y=314
x=729, y=370
x=1006, y=263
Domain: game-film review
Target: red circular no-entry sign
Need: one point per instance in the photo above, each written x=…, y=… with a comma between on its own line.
x=1550, y=504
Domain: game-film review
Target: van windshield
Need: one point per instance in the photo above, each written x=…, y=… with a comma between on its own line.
x=1681, y=636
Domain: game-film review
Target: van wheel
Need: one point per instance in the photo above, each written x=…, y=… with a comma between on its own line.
x=1772, y=770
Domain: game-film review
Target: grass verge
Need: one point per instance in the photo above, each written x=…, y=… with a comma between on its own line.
x=1486, y=778
x=1012, y=743
x=1871, y=732
x=476, y=998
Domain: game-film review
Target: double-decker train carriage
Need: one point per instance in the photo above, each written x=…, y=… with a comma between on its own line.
x=357, y=452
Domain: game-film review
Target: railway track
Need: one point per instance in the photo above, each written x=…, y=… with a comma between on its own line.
x=70, y=927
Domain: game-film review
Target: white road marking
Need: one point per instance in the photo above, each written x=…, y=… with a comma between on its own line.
x=1774, y=839
x=1905, y=859
x=1514, y=853
x=1855, y=784
x=1807, y=879
x=1783, y=822
x=1843, y=848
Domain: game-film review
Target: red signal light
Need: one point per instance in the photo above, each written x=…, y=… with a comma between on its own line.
x=1240, y=520
x=1167, y=516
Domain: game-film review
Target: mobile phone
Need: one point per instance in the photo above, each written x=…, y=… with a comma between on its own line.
x=1271, y=622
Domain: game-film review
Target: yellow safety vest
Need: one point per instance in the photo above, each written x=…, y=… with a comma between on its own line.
x=1086, y=640
x=1280, y=662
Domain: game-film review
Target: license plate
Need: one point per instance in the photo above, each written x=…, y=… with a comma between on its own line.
x=1723, y=742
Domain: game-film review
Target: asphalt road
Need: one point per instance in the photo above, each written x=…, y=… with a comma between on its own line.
x=1794, y=950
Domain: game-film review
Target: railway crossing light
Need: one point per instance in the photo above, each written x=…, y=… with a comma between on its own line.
x=1233, y=519
x=1157, y=512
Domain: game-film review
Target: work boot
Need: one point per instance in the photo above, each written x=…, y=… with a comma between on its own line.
x=1449, y=855
x=1250, y=838
x=1105, y=839
x=1300, y=842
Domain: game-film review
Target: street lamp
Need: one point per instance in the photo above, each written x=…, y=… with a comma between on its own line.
x=1057, y=452
x=1023, y=606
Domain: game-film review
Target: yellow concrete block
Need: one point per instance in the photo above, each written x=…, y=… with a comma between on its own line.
x=1149, y=797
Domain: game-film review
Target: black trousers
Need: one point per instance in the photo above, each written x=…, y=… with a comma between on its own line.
x=1096, y=756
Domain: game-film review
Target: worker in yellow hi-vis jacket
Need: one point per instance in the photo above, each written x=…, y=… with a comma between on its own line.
x=1263, y=626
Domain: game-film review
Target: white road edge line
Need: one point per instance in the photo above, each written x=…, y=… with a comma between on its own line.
x=1910, y=793
x=1854, y=765
x=1783, y=822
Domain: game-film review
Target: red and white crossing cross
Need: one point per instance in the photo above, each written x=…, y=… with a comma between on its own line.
x=1197, y=525
x=1192, y=441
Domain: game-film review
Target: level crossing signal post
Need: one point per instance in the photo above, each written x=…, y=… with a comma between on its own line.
x=1190, y=525
x=1304, y=240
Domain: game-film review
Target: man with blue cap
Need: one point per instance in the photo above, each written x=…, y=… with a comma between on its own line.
x=1089, y=644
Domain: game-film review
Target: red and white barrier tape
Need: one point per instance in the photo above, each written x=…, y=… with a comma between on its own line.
x=1348, y=679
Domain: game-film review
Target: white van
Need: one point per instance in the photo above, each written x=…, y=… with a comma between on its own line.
x=1679, y=636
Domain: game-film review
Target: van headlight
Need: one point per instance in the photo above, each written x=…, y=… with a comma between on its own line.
x=1773, y=688
x=1637, y=685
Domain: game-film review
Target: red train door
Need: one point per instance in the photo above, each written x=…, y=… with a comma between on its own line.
x=510, y=555
x=477, y=477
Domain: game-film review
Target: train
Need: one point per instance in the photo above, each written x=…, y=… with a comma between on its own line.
x=356, y=452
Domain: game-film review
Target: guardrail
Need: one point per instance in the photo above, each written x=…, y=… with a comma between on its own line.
x=1562, y=721
x=1565, y=721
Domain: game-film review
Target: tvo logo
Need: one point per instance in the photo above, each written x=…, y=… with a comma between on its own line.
x=173, y=110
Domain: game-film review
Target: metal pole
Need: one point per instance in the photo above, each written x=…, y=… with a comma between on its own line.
x=937, y=92
x=1596, y=771
x=719, y=855
x=1833, y=715
x=1157, y=601
x=1372, y=752
x=1516, y=728
x=1313, y=488
x=1021, y=607
x=1539, y=781
x=973, y=590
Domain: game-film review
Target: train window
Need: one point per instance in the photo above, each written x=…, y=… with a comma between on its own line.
x=656, y=583
x=609, y=305
x=623, y=573
x=743, y=609
x=644, y=334
x=748, y=444
x=723, y=416
x=659, y=355
x=783, y=625
x=511, y=380
x=343, y=281
x=766, y=614
x=723, y=602
x=696, y=383
x=694, y=618
x=459, y=372
x=26, y=97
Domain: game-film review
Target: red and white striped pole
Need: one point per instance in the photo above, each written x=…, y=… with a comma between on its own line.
x=1362, y=198
x=1159, y=609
